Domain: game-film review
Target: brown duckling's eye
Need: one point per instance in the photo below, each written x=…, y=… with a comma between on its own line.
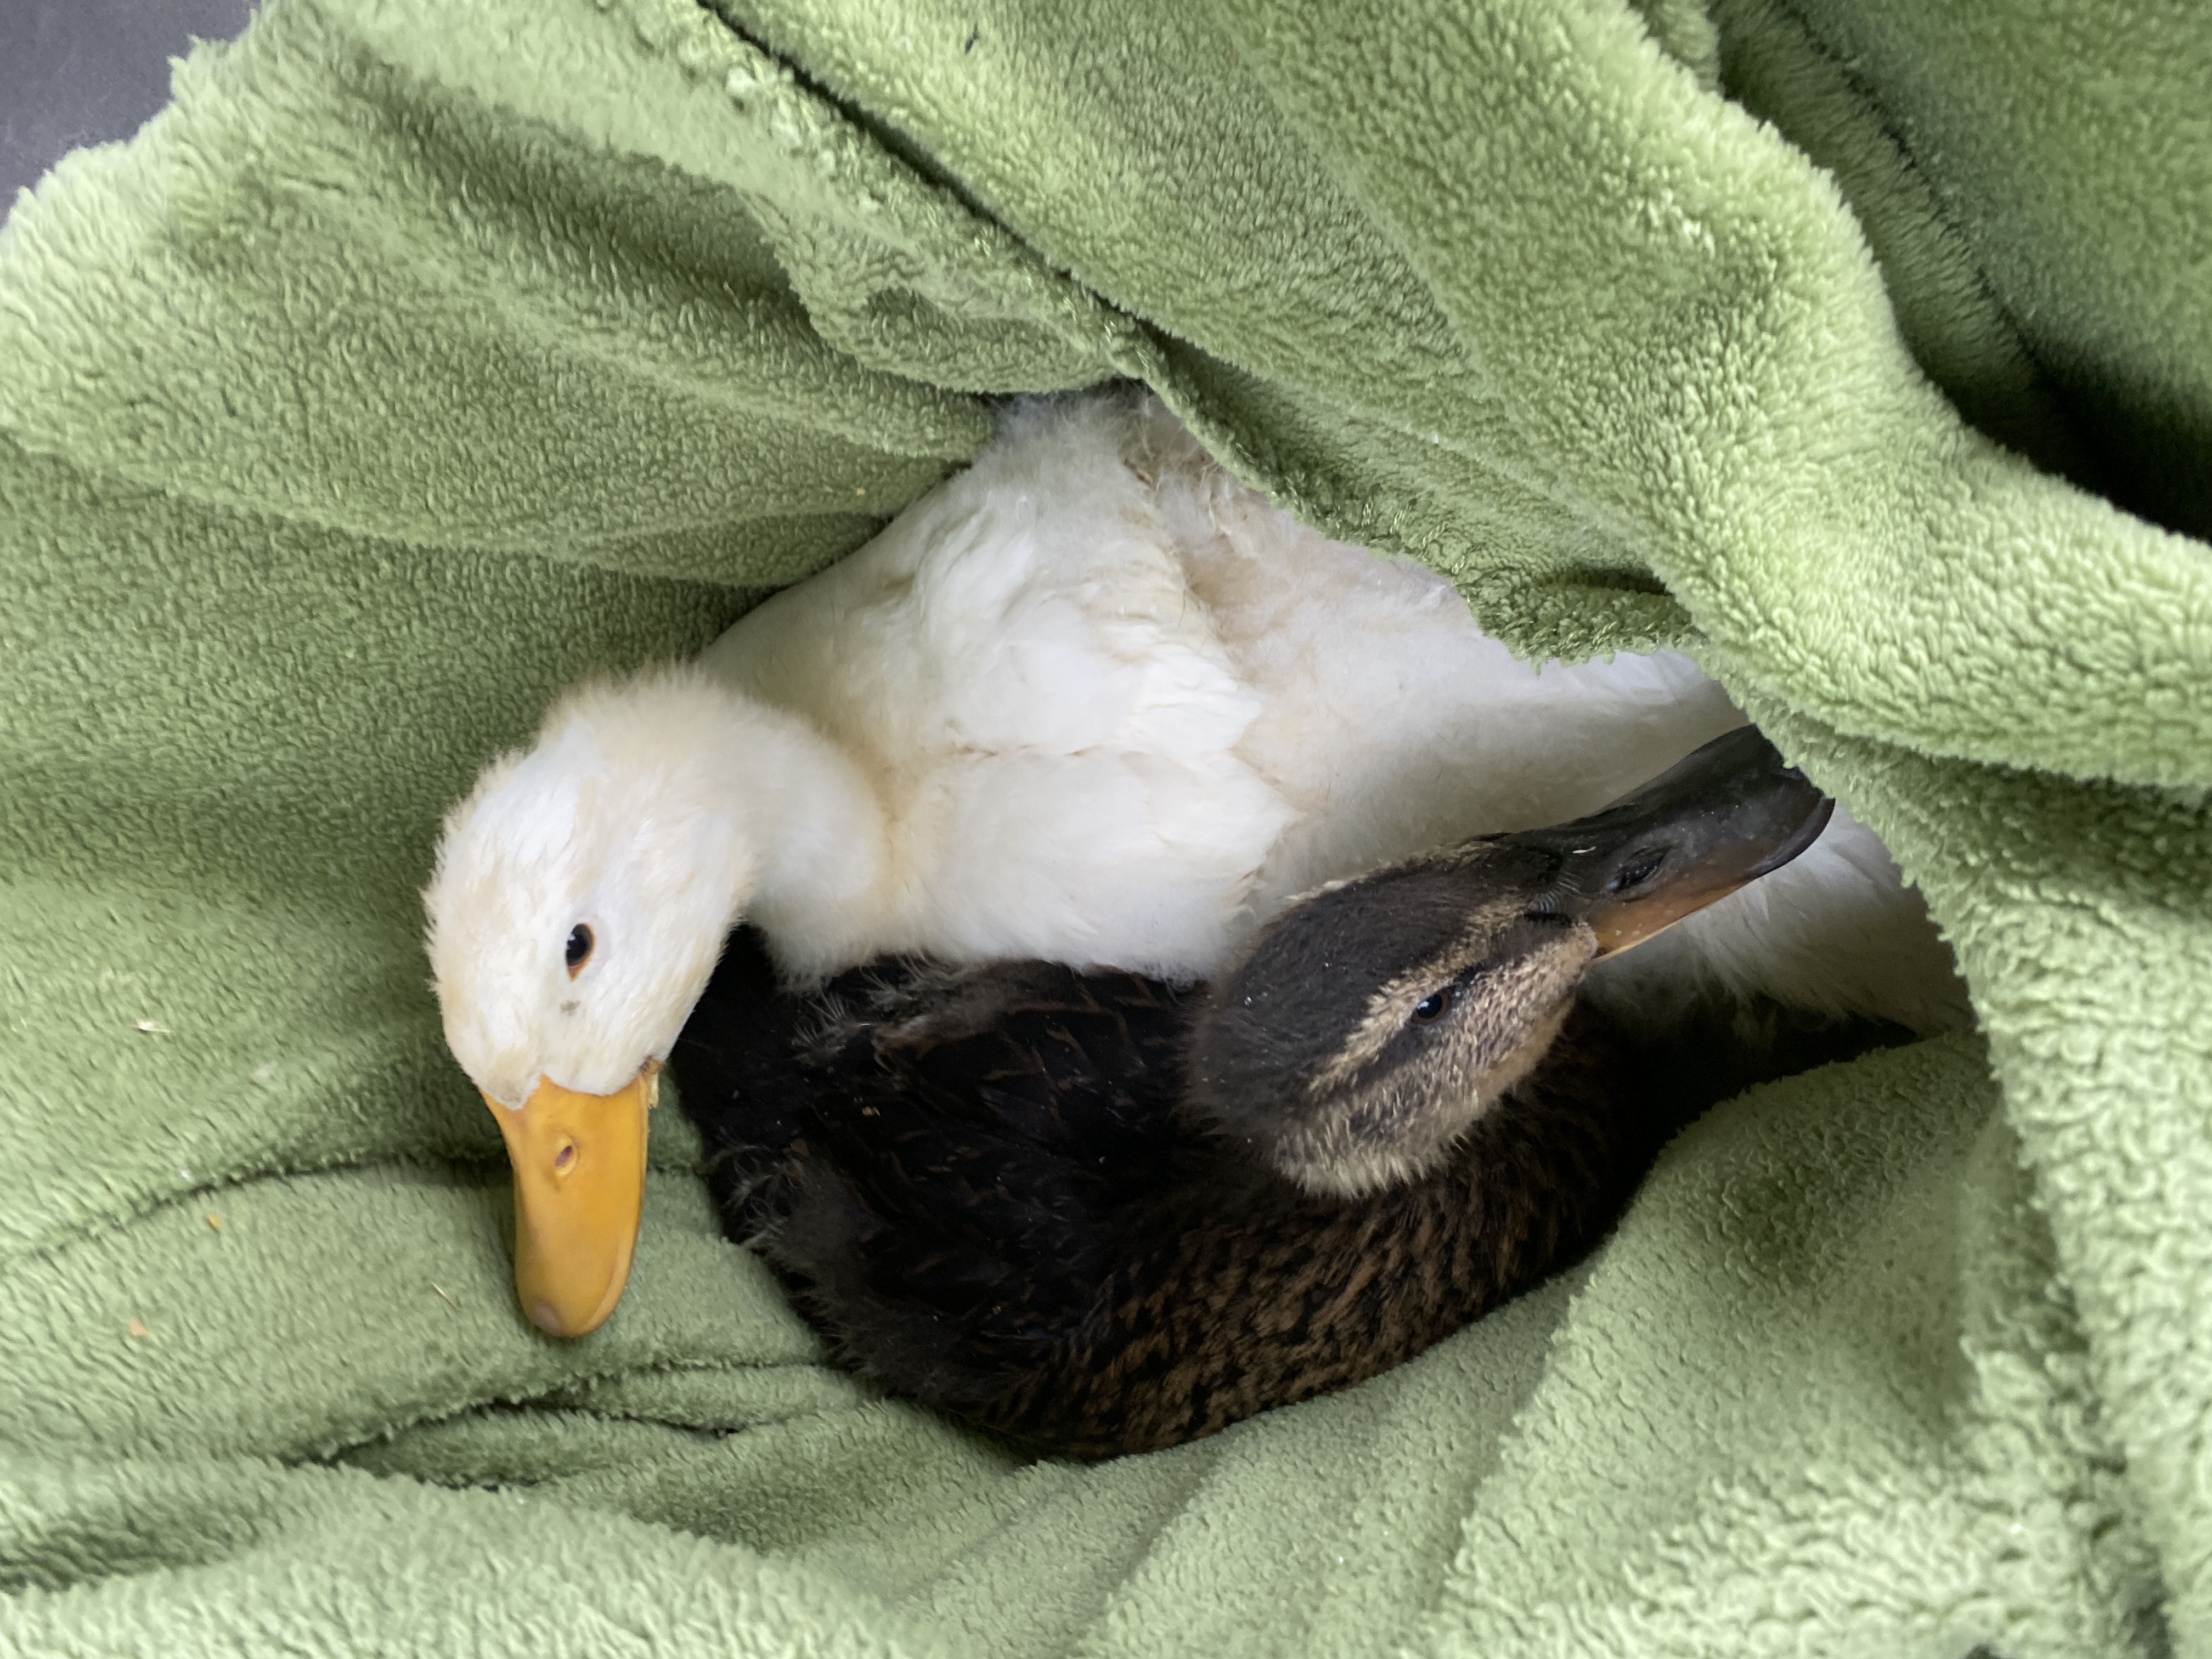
x=1433, y=1007
x=580, y=949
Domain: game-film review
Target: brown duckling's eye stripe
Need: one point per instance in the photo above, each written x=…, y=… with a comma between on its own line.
x=1517, y=986
x=1391, y=1007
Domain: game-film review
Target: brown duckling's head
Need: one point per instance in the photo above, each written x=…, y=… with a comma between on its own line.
x=1403, y=1005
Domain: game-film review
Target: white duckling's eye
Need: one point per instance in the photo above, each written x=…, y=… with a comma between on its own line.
x=1435, y=1005
x=580, y=949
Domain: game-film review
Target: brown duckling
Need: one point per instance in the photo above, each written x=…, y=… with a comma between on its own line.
x=1105, y=1214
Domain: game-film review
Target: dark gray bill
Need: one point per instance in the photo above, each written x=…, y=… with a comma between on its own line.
x=1724, y=816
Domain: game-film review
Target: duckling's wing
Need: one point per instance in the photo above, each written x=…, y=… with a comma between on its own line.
x=969, y=1146
x=1083, y=1067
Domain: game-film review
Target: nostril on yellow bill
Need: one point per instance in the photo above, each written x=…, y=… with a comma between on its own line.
x=579, y=1164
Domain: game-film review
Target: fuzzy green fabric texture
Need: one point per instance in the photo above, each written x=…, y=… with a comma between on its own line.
x=420, y=360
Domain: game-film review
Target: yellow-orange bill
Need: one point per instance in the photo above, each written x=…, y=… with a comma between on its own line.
x=579, y=1189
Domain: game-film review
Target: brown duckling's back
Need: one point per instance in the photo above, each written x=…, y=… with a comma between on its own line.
x=1237, y=1291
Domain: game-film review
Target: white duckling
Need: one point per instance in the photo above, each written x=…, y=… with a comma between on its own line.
x=1091, y=701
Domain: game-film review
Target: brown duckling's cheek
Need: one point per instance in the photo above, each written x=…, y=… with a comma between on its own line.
x=1401, y=1118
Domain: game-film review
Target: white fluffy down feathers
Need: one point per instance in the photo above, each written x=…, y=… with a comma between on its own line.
x=1090, y=700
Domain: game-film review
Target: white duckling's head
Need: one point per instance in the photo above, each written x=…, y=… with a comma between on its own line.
x=584, y=888
x=582, y=894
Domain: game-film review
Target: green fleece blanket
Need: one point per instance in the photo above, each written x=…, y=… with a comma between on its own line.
x=420, y=359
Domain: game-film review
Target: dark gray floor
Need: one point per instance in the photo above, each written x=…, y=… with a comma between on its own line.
x=81, y=71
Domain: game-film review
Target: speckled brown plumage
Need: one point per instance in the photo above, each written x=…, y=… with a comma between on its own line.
x=997, y=1206
x=1277, y=1296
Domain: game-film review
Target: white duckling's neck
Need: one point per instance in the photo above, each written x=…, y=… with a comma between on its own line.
x=820, y=832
